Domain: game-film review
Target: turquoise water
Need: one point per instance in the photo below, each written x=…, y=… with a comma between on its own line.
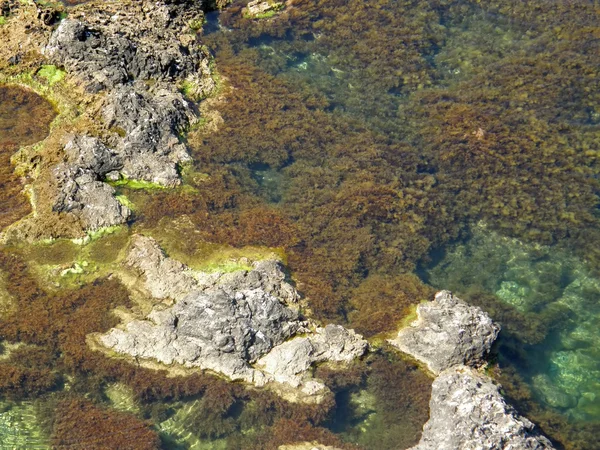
x=474, y=102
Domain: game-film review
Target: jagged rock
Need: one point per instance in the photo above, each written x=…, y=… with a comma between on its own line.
x=468, y=412
x=139, y=68
x=448, y=332
x=151, y=122
x=79, y=189
x=163, y=277
x=80, y=193
x=110, y=52
x=289, y=362
x=210, y=330
x=237, y=324
x=88, y=153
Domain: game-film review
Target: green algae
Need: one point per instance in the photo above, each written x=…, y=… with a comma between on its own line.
x=135, y=184
x=52, y=74
x=20, y=428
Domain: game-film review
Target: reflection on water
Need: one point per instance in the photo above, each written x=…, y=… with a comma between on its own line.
x=24, y=119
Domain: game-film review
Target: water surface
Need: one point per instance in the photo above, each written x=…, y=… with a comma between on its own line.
x=389, y=149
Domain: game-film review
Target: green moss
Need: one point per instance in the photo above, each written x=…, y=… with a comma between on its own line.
x=196, y=24
x=203, y=256
x=52, y=74
x=2, y=20
x=123, y=200
x=265, y=15
x=136, y=184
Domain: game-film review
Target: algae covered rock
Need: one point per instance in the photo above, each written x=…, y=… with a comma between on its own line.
x=468, y=412
x=448, y=332
x=236, y=324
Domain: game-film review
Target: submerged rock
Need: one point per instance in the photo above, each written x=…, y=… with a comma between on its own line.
x=468, y=412
x=236, y=324
x=448, y=332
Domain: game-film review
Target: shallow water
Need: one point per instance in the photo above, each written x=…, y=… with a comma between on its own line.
x=370, y=141
x=24, y=119
x=462, y=120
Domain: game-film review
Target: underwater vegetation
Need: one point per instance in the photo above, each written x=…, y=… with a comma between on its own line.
x=360, y=139
x=24, y=119
x=79, y=422
x=75, y=385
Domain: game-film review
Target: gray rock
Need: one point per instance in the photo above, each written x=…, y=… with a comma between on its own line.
x=237, y=324
x=468, y=413
x=289, y=362
x=138, y=66
x=162, y=277
x=448, y=332
x=151, y=122
x=88, y=153
x=203, y=327
x=93, y=202
x=106, y=49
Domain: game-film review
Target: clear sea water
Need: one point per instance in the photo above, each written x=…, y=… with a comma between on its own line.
x=392, y=148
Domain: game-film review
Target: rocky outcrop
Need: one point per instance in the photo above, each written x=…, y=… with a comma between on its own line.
x=448, y=332
x=136, y=72
x=151, y=122
x=468, y=412
x=80, y=190
x=110, y=45
x=237, y=324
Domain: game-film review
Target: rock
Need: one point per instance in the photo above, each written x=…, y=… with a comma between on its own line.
x=210, y=330
x=163, y=277
x=137, y=69
x=93, y=202
x=88, y=153
x=106, y=51
x=151, y=123
x=237, y=324
x=289, y=362
x=468, y=412
x=448, y=332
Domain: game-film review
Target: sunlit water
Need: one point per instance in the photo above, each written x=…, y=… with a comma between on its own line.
x=24, y=120
x=372, y=141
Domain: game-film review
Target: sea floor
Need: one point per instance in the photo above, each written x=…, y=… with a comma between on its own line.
x=387, y=149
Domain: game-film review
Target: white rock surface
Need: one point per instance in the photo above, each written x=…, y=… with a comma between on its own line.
x=469, y=413
x=448, y=332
